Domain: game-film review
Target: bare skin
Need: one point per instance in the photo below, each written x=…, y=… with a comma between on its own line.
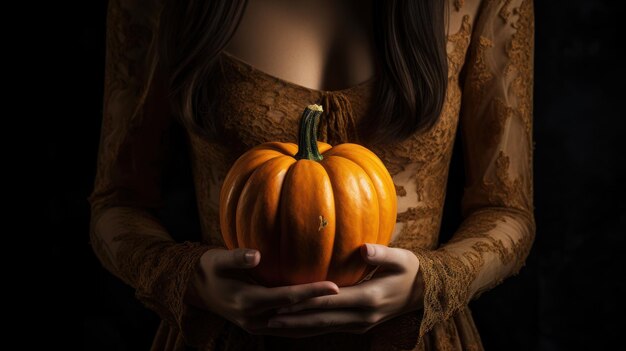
x=322, y=45
x=222, y=286
x=318, y=44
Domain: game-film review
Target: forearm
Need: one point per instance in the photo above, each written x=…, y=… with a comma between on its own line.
x=133, y=245
x=491, y=245
x=112, y=230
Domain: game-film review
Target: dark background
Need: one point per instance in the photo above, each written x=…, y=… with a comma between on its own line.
x=570, y=293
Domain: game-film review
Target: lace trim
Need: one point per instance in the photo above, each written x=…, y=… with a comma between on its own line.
x=458, y=4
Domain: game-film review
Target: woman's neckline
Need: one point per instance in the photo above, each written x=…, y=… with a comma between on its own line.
x=239, y=61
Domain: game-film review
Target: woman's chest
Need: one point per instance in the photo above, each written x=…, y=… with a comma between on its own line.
x=254, y=109
x=322, y=45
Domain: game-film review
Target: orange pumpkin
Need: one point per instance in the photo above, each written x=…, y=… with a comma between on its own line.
x=308, y=207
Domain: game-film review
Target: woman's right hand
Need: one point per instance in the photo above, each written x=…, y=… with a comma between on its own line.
x=222, y=286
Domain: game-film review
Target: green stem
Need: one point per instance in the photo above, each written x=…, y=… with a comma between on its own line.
x=307, y=140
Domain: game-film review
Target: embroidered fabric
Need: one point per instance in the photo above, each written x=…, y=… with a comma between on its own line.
x=489, y=97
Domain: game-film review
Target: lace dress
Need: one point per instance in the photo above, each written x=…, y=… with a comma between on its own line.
x=489, y=97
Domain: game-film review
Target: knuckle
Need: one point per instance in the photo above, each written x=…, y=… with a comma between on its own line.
x=254, y=332
x=410, y=258
x=360, y=331
x=408, y=255
x=291, y=296
x=292, y=299
x=372, y=319
x=241, y=257
x=369, y=302
x=367, y=329
x=326, y=303
x=237, y=302
x=328, y=323
x=373, y=297
x=383, y=252
x=243, y=303
x=247, y=325
x=212, y=262
x=239, y=321
x=246, y=308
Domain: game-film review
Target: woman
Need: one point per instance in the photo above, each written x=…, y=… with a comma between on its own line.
x=402, y=77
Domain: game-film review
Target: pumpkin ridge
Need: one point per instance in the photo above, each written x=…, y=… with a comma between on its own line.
x=278, y=225
x=299, y=250
x=351, y=230
x=252, y=183
x=366, y=169
x=263, y=226
x=232, y=186
x=333, y=217
x=358, y=154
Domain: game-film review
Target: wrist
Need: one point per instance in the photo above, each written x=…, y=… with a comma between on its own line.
x=196, y=284
x=417, y=295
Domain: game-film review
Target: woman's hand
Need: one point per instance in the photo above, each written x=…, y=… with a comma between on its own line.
x=221, y=285
x=396, y=288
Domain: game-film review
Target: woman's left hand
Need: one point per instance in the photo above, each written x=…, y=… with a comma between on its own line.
x=395, y=288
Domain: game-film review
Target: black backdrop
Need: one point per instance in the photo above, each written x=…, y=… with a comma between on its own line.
x=568, y=296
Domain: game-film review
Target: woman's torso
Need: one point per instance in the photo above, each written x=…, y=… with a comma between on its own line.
x=274, y=68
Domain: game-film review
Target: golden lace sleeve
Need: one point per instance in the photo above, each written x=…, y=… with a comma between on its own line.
x=498, y=227
x=125, y=233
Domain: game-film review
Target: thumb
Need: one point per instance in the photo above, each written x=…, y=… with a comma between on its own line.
x=237, y=258
x=381, y=255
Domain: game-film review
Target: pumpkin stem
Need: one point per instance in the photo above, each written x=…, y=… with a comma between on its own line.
x=307, y=141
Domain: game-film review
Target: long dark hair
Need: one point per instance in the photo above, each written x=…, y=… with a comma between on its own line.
x=410, y=41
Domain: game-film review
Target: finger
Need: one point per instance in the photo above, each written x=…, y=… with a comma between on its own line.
x=387, y=257
x=348, y=297
x=236, y=259
x=276, y=297
x=346, y=318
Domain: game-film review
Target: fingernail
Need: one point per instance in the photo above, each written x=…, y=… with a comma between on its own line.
x=249, y=256
x=275, y=324
x=371, y=250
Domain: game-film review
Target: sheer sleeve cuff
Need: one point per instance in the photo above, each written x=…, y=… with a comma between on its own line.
x=446, y=287
x=161, y=275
